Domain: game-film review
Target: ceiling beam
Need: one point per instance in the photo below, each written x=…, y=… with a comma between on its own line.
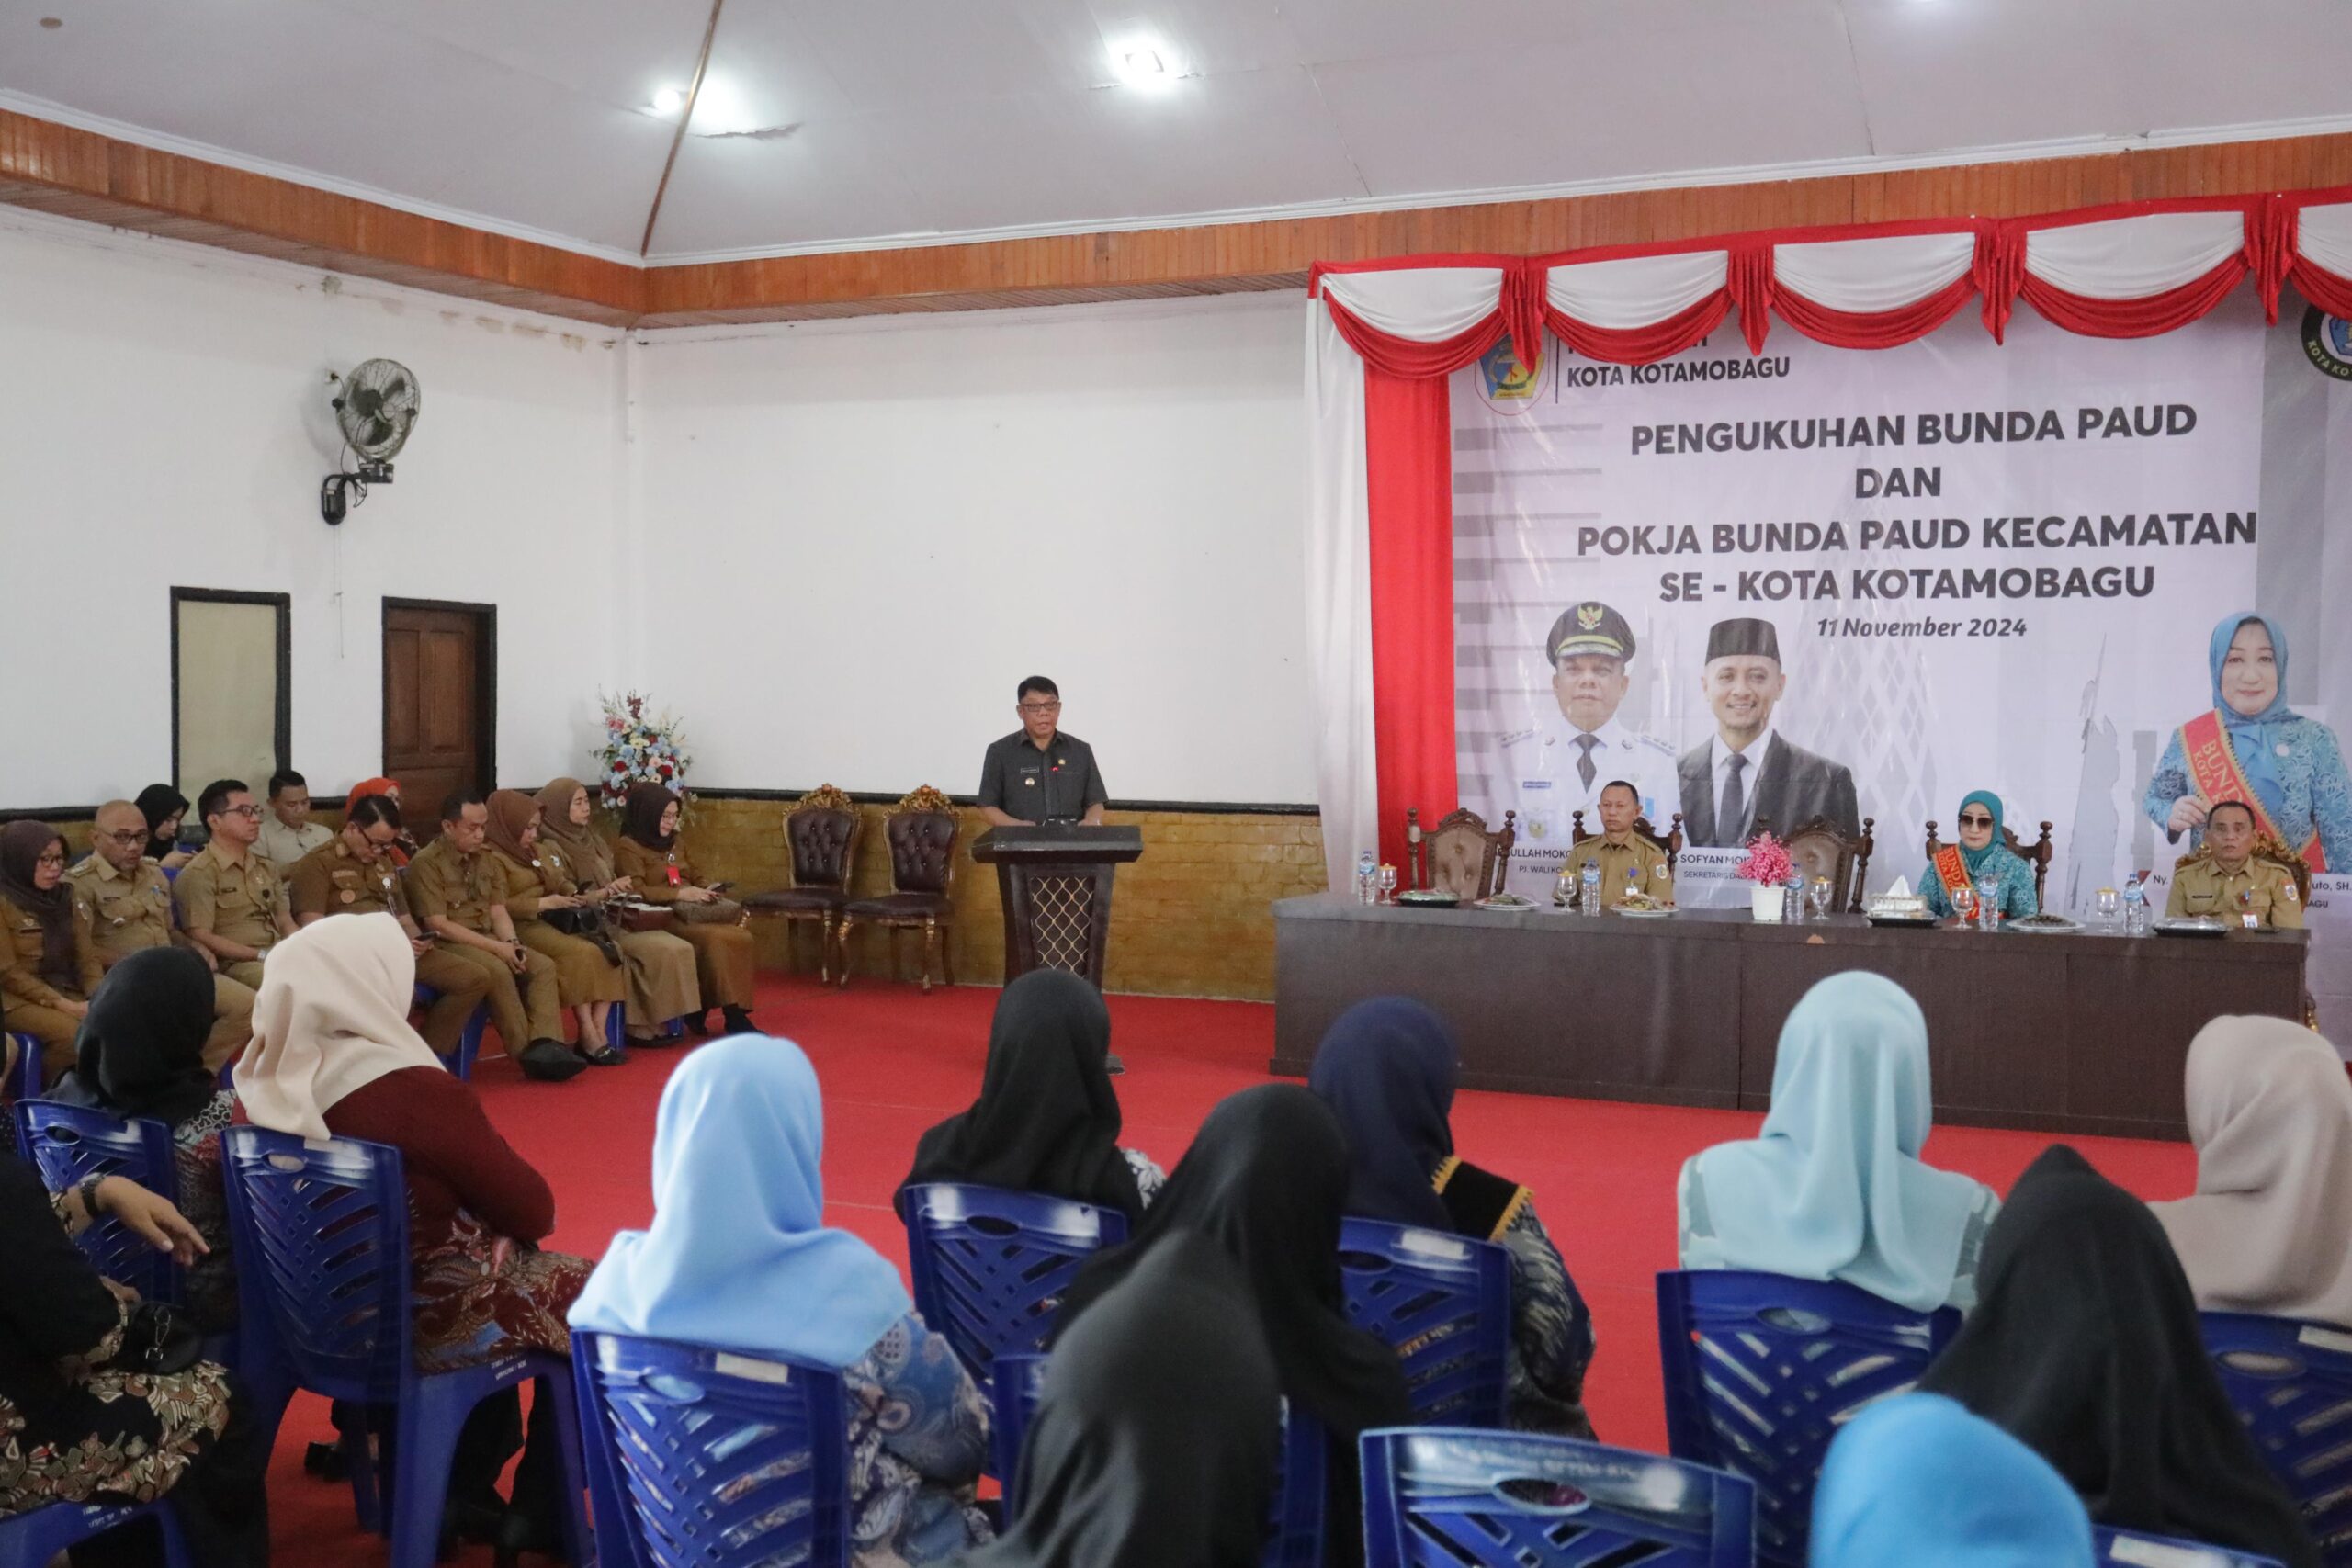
x=79, y=173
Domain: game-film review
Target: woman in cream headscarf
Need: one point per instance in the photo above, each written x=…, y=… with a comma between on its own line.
x=334, y=1056
x=2269, y=1228
x=573, y=858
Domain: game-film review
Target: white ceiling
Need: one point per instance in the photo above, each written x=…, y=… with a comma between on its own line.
x=914, y=119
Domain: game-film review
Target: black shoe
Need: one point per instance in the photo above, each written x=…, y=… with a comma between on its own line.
x=697, y=1023
x=1112, y=1065
x=551, y=1061
x=738, y=1021
x=660, y=1040
x=602, y=1054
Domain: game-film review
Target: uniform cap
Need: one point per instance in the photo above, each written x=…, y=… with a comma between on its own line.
x=1590, y=627
x=1744, y=636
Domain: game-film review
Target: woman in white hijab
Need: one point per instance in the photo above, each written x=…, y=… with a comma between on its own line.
x=334, y=1056
x=2269, y=1228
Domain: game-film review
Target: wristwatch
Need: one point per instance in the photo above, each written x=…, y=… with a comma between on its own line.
x=88, y=1190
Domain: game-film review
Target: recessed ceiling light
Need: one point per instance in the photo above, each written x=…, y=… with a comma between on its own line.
x=1146, y=62
x=1141, y=63
x=669, y=100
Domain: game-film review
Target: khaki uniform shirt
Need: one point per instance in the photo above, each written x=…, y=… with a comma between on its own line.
x=239, y=903
x=284, y=847
x=2260, y=887
x=459, y=887
x=21, y=945
x=331, y=880
x=121, y=911
x=1637, y=855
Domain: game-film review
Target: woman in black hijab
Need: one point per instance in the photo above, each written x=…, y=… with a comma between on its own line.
x=1157, y=1437
x=2084, y=1346
x=140, y=1054
x=1386, y=1068
x=1048, y=1120
x=1266, y=1178
x=162, y=806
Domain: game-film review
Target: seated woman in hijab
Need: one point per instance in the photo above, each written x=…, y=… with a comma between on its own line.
x=2270, y=1229
x=162, y=807
x=1835, y=1188
x=75, y=1428
x=140, y=1056
x=660, y=966
x=334, y=1056
x=1916, y=1480
x=1386, y=1068
x=2086, y=1349
x=402, y=848
x=1982, y=855
x=47, y=970
x=737, y=1233
x=587, y=979
x=1266, y=1178
x=649, y=854
x=1047, y=1119
x=1157, y=1430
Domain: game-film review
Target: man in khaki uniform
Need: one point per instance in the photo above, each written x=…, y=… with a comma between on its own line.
x=455, y=894
x=351, y=875
x=2224, y=881
x=230, y=902
x=123, y=903
x=288, y=833
x=1619, y=851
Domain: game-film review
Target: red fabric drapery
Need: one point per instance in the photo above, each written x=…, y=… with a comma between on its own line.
x=1848, y=329
x=2147, y=316
x=1409, y=482
x=1641, y=346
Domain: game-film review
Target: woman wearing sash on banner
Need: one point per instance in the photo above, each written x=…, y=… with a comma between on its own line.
x=1981, y=856
x=2253, y=746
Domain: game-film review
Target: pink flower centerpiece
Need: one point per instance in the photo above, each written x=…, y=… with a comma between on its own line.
x=1769, y=865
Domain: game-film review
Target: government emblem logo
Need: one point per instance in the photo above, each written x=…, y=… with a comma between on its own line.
x=1588, y=616
x=1505, y=379
x=2327, y=344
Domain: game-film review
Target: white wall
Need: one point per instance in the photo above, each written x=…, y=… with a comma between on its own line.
x=861, y=535
x=164, y=422
x=833, y=548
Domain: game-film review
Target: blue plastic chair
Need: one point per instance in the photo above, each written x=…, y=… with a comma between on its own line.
x=1454, y=1498
x=23, y=1081
x=2291, y=1383
x=701, y=1458
x=321, y=1232
x=460, y=1062
x=1444, y=1302
x=30, y=1539
x=1296, y=1528
x=69, y=1144
x=1762, y=1371
x=990, y=1266
x=2132, y=1549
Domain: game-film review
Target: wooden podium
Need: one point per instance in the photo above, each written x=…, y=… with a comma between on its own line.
x=1055, y=883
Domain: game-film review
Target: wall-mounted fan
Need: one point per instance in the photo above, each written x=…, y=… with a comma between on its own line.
x=376, y=409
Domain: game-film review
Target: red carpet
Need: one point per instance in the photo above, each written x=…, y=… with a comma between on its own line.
x=894, y=1061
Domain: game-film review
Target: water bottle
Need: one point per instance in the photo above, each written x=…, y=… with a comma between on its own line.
x=1988, y=904
x=1792, y=901
x=1367, y=877
x=1593, y=887
x=2135, y=909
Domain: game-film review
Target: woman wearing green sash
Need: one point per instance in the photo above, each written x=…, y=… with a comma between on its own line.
x=1981, y=856
x=2252, y=747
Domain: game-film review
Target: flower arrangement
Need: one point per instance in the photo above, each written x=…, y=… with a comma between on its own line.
x=639, y=748
x=1767, y=862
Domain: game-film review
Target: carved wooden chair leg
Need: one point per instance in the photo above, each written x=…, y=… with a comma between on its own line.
x=846, y=924
x=897, y=958
x=930, y=951
x=948, y=954
x=825, y=950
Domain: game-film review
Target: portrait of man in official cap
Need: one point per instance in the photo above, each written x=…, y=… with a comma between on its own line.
x=1559, y=765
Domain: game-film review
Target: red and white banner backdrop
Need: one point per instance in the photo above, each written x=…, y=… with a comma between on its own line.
x=1564, y=361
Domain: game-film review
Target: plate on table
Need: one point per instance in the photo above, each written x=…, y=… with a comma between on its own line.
x=1506, y=904
x=2046, y=924
x=1426, y=898
x=2195, y=925
x=1919, y=922
x=1656, y=914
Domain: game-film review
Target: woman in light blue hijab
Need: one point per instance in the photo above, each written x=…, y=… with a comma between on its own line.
x=740, y=1258
x=1980, y=855
x=1919, y=1481
x=2251, y=746
x=1835, y=1188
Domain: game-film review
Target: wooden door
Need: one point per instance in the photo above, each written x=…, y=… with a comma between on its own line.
x=438, y=672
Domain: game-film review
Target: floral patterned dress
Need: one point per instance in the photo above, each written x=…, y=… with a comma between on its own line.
x=918, y=1433
x=72, y=1428
x=210, y=1283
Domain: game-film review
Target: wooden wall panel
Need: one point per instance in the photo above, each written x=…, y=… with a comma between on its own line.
x=57, y=169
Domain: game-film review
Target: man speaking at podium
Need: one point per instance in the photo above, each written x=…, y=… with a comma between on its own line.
x=1037, y=774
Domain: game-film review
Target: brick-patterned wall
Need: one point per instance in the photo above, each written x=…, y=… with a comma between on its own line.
x=1193, y=917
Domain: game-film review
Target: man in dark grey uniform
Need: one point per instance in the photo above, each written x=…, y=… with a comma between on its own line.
x=1746, y=772
x=1037, y=774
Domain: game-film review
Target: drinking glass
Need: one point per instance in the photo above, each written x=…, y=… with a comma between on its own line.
x=1964, y=903
x=1820, y=891
x=2108, y=904
x=1388, y=883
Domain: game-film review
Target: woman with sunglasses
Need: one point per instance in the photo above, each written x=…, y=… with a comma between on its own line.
x=1981, y=856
